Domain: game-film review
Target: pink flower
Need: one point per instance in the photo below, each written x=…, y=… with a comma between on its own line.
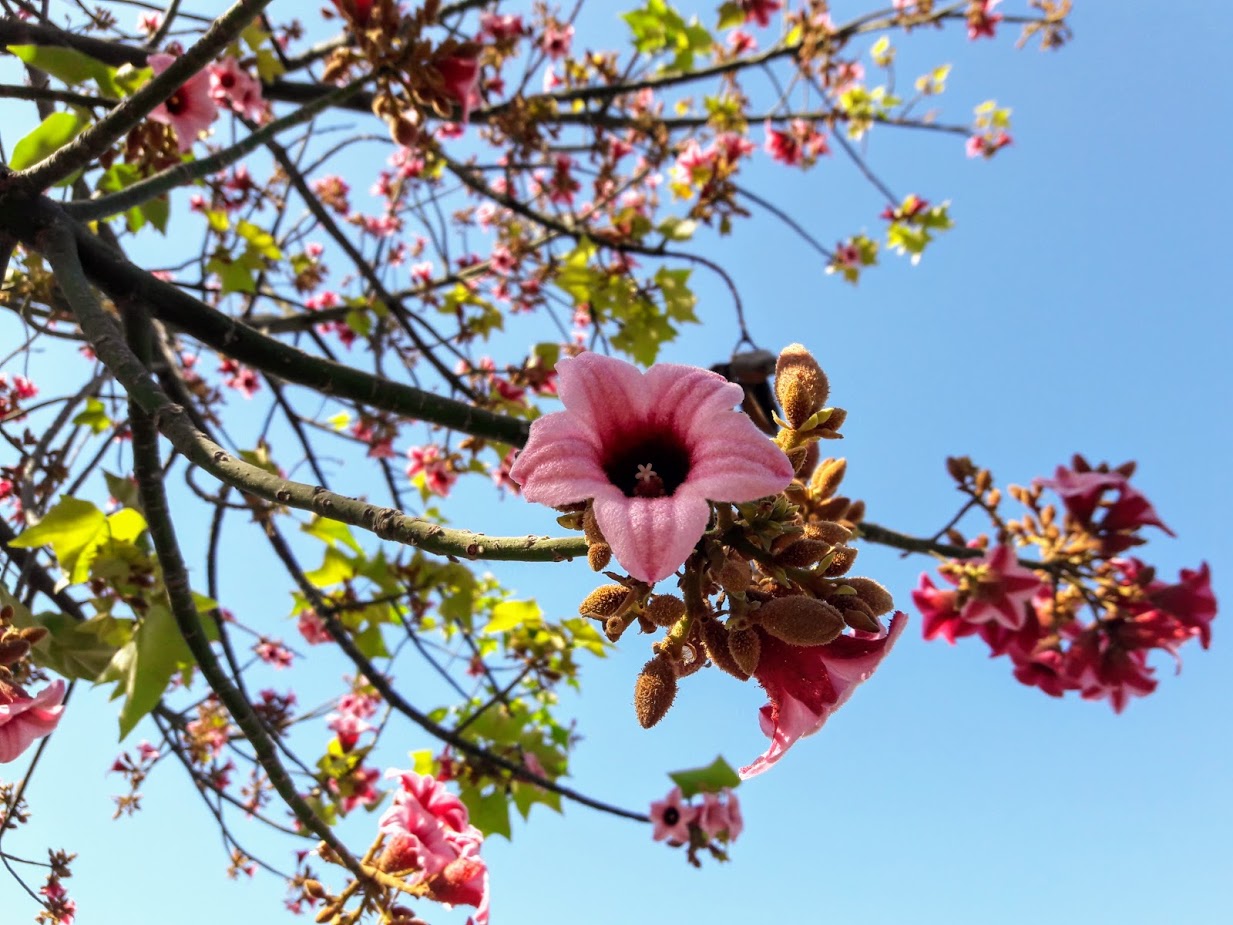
x=982, y=21
x=806, y=684
x=235, y=88
x=556, y=40
x=190, y=110
x=671, y=818
x=720, y=817
x=459, y=75
x=999, y=589
x=428, y=832
x=759, y=11
x=651, y=449
x=501, y=27
x=1191, y=601
x=24, y=718
x=428, y=460
x=937, y=607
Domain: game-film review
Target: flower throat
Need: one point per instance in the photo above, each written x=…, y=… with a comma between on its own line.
x=648, y=467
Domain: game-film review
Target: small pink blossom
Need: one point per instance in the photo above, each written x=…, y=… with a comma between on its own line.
x=434, y=465
x=720, y=815
x=806, y=684
x=651, y=449
x=671, y=817
x=982, y=21
x=235, y=88
x=24, y=718
x=149, y=22
x=502, y=27
x=999, y=589
x=741, y=42
x=760, y=11
x=986, y=145
x=556, y=40
x=273, y=653
x=190, y=110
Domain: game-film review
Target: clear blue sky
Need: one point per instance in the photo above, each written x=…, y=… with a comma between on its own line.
x=1081, y=303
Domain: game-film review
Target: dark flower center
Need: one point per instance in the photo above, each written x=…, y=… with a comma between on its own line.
x=672, y=816
x=176, y=103
x=650, y=466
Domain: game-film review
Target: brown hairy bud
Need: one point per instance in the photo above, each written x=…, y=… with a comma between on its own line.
x=829, y=429
x=994, y=498
x=960, y=468
x=800, y=620
x=828, y=532
x=715, y=641
x=598, y=556
x=654, y=691
x=798, y=458
x=34, y=634
x=826, y=478
x=604, y=601
x=856, y=615
x=812, y=455
x=877, y=598
x=615, y=627
x=314, y=889
x=855, y=512
x=664, y=609
x=745, y=647
x=735, y=574
x=590, y=528
x=800, y=385
x=6, y=614
x=12, y=649
x=803, y=553
x=844, y=556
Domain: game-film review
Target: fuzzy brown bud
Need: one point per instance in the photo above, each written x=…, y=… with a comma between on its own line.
x=829, y=429
x=715, y=641
x=826, y=478
x=844, y=556
x=604, y=601
x=800, y=620
x=13, y=649
x=735, y=574
x=828, y=532
x=803, y=553
x=314, y=889
x=654, y=691
x=856, y=615
x=873, y=594
x=800, y=385
x=598, y=556
x=590, y=527
x=745, y=647
x=34, y=634
x=664, y=609
x=855, y=512
x=6, y=614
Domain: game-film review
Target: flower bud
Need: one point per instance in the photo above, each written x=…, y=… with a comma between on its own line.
x=735, y=574
x=715, y=641
x=34, y=634
x=843, y=558
x=598, y=556
x=855, y=512
x=13, y=649
x=604, y=601
x=745, y=647
x=803, y=553
x=800, y=620
x=590, y=527
x=664, y=609
x=828, y=531
x=800, y=385
x=871, y=593
x=856, y=614
x=654, y=691
x=826, y=478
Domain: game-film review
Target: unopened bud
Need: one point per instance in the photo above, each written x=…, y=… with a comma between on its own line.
x=800, y=620
x=664, y=609
x=829, y=429
x=404, y=131
x=314, y=889
x=590, y=527
x=615, y=627
x=872, y=594
x=745, y=647
x=828, y=532
x=604, y=601
x=800, y=384
x=598, y=556
x=735, y=574
x=855, y=512
x=842, y=559
x=13, y=649
x=826, y=478
x=34, y=634
x=857, y=616
x=6, y=614
x=803, y=553
x=715, y=641
x=654, y=691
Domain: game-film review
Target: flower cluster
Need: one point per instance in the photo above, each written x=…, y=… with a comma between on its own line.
x=661, y=473
x=713, y=823
x=1082, y=618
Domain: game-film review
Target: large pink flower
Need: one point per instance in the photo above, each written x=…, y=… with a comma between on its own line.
x=24, y=718
x=190, y=110
x=651, y=449
x=806, y=684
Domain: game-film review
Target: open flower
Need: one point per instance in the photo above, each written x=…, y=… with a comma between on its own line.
x=24, y=718
x=671, y=817
x=190, y=110
x=806, y=684
x=651, y=449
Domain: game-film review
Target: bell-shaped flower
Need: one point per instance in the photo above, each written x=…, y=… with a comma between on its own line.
x=190, y=110
x=651, y=449
x=806, y=684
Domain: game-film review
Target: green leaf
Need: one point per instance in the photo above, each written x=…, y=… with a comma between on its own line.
x=489, y=812
x=144, y=667
x=711, y=779
x=52, y=134
x=94, y=416
x=80, y=650
x=331, y=532
x=335, y=569
x=67, y=64
x=71, y=528
x=122, y=490
x=510, y=614
x=233, y=275
x=730, y=16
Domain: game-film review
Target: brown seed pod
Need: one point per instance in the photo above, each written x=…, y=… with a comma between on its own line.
x=13, y=649
x=876, y=597
x=615, y=627
x=664, y=609
x=745, y=647
x=604, y=601
x=654, y=691
x=826, y=478
x=800, y=384
x=715, y=641
x=803, y=553
x=844, y=557
x=828, y=531
x=800, y=620
x=735, y=574
x=598, y=556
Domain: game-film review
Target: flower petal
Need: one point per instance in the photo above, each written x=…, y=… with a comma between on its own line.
x=735, y=461
x=651, y=537
x=560, y=463
x=607, y=395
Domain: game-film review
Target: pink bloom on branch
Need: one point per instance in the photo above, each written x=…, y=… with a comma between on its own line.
x=1000, y=589
x=235, y=88
x=759, y=11
x=556, y=40
x=671, y=817
x=190, y=110
x=982, y=21
x=720, y=814
x=806, y=684
x=652, y=449
x=459, y=77
x=24, y=718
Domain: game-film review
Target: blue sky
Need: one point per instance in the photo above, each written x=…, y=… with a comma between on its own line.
x=1081, y=303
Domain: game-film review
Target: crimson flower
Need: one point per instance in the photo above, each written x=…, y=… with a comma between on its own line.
x=459, y=78
x=651, y=449
x=1000, y=587
x=24, y=718
x=806, y=684
x=190, y=110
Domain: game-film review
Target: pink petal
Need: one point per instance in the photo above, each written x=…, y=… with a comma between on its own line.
x=28, y=718
x=651, y=537
x=737, y=462
x=560, y=463
x=607, y=395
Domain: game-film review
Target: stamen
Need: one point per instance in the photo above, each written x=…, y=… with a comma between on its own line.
x=645, y=472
